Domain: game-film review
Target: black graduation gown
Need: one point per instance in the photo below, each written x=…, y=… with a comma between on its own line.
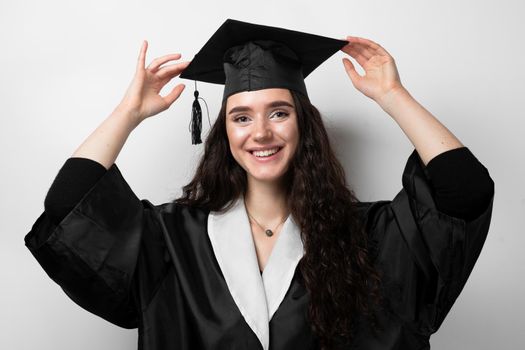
x=111, y=256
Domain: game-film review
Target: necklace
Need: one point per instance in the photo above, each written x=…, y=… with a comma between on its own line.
x=268, y=232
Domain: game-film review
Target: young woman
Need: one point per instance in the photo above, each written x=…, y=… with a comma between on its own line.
x=268, y=248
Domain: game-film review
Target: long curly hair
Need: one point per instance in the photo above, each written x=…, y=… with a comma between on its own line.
x=337, y=267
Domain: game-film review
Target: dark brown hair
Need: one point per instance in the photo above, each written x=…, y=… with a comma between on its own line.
x=337, y=267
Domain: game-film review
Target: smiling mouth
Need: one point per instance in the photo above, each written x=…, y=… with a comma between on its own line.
x=266, y=156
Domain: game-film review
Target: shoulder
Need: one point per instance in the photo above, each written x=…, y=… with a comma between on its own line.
x=368, y=212
x=178, y=211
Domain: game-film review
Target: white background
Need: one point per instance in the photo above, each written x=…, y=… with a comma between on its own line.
x=64, y=66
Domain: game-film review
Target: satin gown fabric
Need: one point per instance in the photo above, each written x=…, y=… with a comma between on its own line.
x=111, y=255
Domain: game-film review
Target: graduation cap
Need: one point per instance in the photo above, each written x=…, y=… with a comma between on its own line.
x=247, y=57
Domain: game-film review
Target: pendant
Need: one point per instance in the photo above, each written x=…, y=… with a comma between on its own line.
x=269, y=233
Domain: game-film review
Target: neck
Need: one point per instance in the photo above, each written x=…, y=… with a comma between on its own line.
x=266, y=202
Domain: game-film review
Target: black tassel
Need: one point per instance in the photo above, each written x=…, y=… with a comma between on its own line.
x=196, y=120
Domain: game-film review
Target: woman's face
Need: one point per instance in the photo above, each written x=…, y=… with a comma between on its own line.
x=262, y=120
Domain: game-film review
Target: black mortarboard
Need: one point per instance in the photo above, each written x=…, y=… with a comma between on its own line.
x=247, y=57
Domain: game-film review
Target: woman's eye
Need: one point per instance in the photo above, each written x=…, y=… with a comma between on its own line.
x=241, y=117
x=281, y=114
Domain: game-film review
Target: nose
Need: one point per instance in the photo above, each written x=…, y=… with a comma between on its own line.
x=261, y=129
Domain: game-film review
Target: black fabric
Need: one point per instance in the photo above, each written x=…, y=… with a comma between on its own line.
x=73, y=180
x=109, y=255
x=262, y=64
x=461, y=184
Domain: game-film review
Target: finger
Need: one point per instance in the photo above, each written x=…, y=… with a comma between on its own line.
x=363, y=41
x=358, y=56
x=172, y=70
x=157, y=62
x=361, y=50
x=356, y=49
x=350, y=70
x=142, y=55
x=375, y=47
x=174, y=94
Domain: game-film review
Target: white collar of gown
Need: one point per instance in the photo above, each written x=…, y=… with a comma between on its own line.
x=256, y=296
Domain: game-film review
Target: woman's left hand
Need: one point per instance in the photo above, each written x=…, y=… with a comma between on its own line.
x=381, y=76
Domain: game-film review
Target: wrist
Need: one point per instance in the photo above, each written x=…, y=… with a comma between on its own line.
x=126, y=115
x=392, y=97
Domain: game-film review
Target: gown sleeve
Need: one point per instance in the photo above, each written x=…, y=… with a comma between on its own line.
x=73, y=181
x=424, y=254
x=461, y=186
x=100, y=253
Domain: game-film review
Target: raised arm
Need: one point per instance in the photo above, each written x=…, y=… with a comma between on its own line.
x=141, y=101
x=97, y=239
x=381, y=83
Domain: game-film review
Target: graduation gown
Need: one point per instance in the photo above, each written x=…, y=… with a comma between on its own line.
x=188, y=278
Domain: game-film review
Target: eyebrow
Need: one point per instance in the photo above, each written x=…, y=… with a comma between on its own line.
x=269, y=105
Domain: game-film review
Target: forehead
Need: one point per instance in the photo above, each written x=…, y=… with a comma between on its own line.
x=258, y=98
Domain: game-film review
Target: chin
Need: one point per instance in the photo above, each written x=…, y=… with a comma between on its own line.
x=263, y=178
x=267, y=177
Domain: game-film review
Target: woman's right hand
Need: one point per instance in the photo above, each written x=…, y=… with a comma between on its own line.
x=142, y=98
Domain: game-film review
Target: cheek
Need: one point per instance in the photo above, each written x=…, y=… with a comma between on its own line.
x=290, y=133
x=236, y=139
x=237, y=135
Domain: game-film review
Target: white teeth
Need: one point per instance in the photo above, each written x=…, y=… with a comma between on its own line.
x=265, y=153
